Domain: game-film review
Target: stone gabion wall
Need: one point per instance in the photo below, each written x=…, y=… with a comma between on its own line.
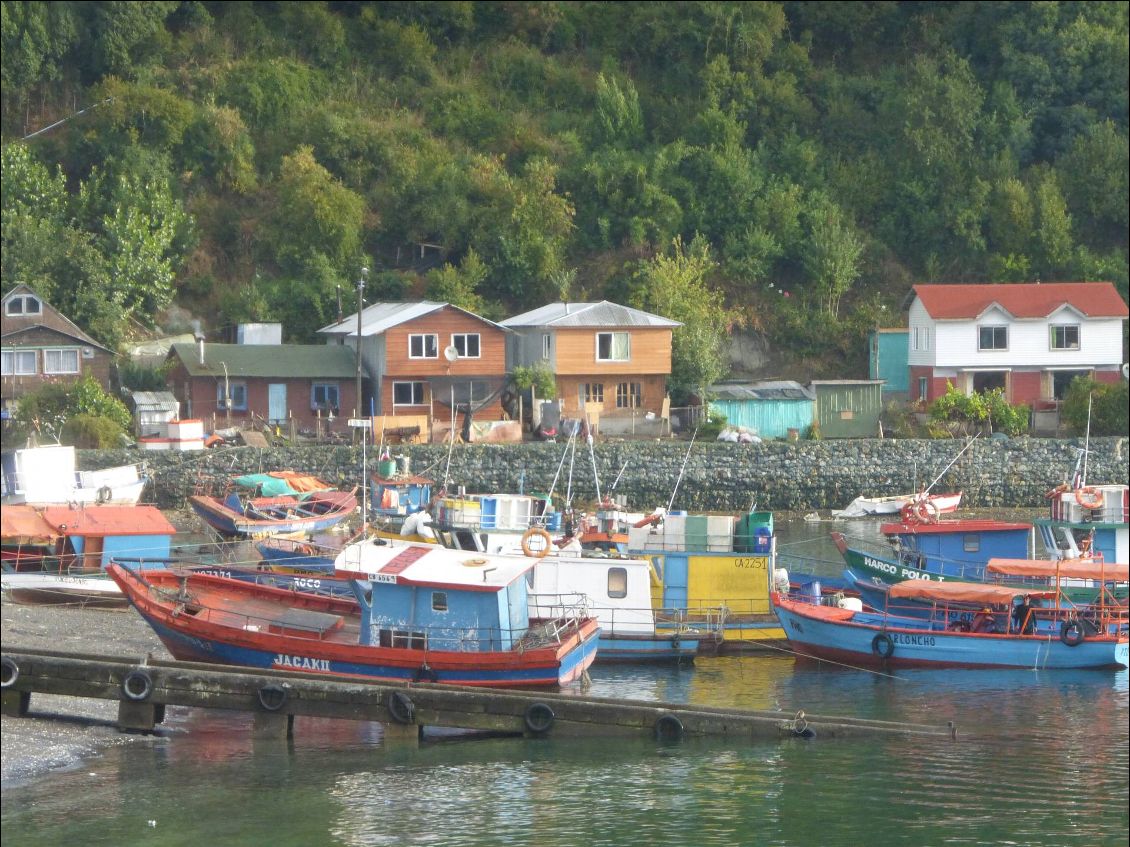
x=711, y=476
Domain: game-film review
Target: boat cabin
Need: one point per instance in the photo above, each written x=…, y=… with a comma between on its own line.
x=958, y=547
x=429, y=597
x=399, y=496
x=1088, y=522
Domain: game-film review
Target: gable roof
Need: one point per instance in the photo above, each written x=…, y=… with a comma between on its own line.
x=602, y=314
x=53, y=319
x=296, y=361
x=380, y=317
x=1021, y=300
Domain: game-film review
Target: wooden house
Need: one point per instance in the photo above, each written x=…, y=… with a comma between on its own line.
x=608, y=359
x=422, y=357
x=268, y=382
x=1029, y=339
x=41, y=346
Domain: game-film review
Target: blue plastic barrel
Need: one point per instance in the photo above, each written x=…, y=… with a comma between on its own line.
x=762, y=540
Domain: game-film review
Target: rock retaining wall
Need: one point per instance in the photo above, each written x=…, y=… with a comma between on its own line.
x=1013, y=473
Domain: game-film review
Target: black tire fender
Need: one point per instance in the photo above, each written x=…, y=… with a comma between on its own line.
x=137, y=685
x=883, y=646
x=1071, y=633
x=539, y=718
x=401, y=707
x=273, y=697
x=105, y=494
x=668, y=727
x=9, y=672
x=424, y=673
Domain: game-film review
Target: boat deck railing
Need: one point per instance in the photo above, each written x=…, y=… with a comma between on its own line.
x=1051, y=620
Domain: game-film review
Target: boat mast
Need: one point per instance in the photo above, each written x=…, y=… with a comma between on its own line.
x=950, y=465
x=682, y=470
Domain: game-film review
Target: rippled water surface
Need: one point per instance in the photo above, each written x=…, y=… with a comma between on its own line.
x=1041, y=759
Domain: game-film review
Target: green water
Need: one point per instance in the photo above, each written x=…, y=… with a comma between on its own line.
x=1042, y=758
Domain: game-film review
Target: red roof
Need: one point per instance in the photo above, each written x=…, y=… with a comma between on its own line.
x=109, y=520
x=1022, y=299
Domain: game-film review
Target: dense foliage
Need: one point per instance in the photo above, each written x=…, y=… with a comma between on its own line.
x=981, y=411
x=79, y=413
x=246, y=159
x=1101, y=408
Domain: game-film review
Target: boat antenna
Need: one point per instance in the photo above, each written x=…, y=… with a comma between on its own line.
x=560, y=465
x=1087, y=440
x=572, y=461
x=682, y=470
x=592, y=456
x=451, y=445
x=968, y=444
x=616, y=482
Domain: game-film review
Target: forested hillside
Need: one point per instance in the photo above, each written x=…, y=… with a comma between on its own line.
x=789, y=167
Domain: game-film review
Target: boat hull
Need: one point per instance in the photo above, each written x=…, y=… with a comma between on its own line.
x=850, y=637
x=229, y=522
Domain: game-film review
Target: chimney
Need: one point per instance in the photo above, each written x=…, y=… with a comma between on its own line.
x=199, y=341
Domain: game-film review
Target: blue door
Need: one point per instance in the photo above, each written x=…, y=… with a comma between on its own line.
x=675, y=567
x=276, y=402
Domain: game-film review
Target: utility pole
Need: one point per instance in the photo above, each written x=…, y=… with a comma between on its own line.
x=360, y=306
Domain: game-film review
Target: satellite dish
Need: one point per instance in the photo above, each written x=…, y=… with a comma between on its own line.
x=450, y=353
x=1126, y=371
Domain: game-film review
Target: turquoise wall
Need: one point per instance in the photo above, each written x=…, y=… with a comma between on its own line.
x=769, y=418
x=888, y=360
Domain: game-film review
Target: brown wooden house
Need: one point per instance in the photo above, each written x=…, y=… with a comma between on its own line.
x=42, y=346
x=421, y=357
x=236, y=383
x=608, y=358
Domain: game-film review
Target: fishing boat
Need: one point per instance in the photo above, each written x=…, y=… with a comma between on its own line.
x=926, y=504
x=1087, y=521
x=496, y=523
x=275, y=503
x=418, y=614
x=1062, y=636
x=58, y=554
x=617, y=592
x=399, y=504
x=48, y=476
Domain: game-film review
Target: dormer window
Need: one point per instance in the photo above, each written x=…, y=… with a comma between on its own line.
x=992, y=338
x=25, y=304
x=1065, y=336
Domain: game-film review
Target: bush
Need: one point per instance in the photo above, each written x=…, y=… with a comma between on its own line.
x=964, y=414
x=91, y=433
x=50, y=408
x=1109, y=407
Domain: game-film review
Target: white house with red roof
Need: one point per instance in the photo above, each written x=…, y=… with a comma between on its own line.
x=1031, y=339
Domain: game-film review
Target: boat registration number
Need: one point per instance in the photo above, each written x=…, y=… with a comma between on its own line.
x=753, y=562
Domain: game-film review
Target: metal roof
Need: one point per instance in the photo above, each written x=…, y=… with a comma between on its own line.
x=297, y=361
x=380, y=317
x=767, y=390
x=602, y=314
x=154, y=400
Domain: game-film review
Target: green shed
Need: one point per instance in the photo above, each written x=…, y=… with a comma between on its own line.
x=848, y=408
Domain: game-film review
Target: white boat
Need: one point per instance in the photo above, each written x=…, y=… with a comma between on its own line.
x=933, y=504
x=47, y=476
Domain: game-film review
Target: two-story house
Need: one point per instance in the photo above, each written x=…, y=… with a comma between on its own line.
x=40, y=345
x=421, y=355
x=1029, y=339
x=605, y=356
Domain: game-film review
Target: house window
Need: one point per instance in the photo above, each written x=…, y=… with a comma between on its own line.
x=914, y=339
x=971, y=543
x=19, y=362
x=617, y=583
x=324, y=395
x=408, y=394
x=992, y=338
x=238, y=395
x=423, y=346
x=439, y=601
x=466, y=344
x=1065, y=336
x=629, y=395
x=613, y=347
x=592, y=392
x=60, y=361
x=922, y=387
x=547, y=346
x=1061, y=381
x=925, y=338
x=25, y=305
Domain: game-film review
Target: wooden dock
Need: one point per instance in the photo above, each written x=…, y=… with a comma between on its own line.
x=145, y=687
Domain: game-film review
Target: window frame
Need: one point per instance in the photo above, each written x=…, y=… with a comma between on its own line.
x=547, y=346
x=315, y=405
x=59, y=370
x=590, y=392
x=439, y=601
x=24, y=300
x=621, y=583
x=467, y=336
x=629, y=395
x=611, y=336
x=16, y=355
x=1052, y=329
x=413, y=383
x=423, y=337
x=995, y=329
x=238, y=389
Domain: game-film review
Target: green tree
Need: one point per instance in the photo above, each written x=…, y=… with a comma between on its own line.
x=48, y=410
x=832, y=260
x=675, y=285
x=1104, y=406
x=459, y=285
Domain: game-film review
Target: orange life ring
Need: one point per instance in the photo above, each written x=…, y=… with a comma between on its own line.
x=926, y=511
x=536, y=549
x=1089, y=498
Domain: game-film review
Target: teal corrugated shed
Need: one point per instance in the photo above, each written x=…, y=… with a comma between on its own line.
x=888, y=359
x=770, y=409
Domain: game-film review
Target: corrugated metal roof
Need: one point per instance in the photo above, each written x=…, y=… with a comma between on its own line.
x=109, y=520
x=767, y=390
x=297, y=361
x=154, y=400
x=381, y=317
x=1021, y=300
x=602, y=314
